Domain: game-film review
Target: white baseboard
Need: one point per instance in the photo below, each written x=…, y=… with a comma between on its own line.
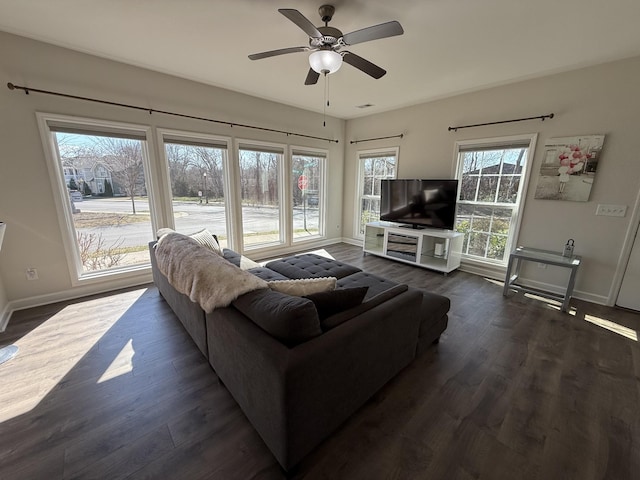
x=4, y=317
x=352, y=241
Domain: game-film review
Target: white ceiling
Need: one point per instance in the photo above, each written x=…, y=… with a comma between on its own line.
x=449, y=46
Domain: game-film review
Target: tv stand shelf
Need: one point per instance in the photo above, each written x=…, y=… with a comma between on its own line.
x=427, y=247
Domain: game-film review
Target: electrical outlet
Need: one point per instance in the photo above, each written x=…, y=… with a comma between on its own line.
x=31, y=273
x=611, y=210
x=542, y=265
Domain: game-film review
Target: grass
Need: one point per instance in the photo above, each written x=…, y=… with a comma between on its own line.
x=96, y=219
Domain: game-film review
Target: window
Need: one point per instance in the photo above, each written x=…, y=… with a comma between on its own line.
x=107, y=219
x=493, y=175
x=307, y=182
x=373, y=167
x=198, y=176
x=260, y=193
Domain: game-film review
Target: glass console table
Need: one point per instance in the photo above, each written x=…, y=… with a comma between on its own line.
x=522, y=254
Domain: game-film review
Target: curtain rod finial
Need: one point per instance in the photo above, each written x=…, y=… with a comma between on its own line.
x=11, y=86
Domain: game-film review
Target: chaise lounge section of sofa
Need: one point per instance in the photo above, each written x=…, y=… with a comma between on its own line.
x=297, y=376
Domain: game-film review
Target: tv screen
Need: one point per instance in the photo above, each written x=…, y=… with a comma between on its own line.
x=426, y=203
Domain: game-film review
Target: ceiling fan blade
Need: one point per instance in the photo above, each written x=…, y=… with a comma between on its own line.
x=384, y=30
x=365, y=65
x=312, y=77
x=281, y=51
x=301, y=21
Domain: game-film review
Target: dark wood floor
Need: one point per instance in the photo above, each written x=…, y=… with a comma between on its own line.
x=112, y=387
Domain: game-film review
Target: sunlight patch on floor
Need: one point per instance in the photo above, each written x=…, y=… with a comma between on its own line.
x=323, y=253
x=551, y=303
x=123, y=363
x=49, y=352
x=613, y=327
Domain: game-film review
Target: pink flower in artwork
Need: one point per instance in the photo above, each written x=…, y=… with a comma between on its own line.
x=574, y=158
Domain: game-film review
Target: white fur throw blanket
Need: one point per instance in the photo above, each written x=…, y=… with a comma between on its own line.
x=206, y=277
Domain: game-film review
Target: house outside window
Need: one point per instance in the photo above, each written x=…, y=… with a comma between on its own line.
x=373, y=166
x=493, y=175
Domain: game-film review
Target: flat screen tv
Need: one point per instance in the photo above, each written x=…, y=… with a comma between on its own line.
x=419, y=203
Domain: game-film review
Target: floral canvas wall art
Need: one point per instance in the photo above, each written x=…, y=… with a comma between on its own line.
x=568, y=167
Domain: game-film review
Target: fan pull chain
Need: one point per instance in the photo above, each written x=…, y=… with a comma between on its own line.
x=326, y=99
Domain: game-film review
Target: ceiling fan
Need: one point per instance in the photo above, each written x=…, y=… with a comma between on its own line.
x=326, y=44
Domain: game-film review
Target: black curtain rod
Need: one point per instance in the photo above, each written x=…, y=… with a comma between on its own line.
x=540, y=117
x=27, y=90
x=379, y=138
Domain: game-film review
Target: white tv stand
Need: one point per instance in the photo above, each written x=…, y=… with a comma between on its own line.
x=428, y=247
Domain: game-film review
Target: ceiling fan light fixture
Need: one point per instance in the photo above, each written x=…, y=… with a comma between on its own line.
x=325, y=61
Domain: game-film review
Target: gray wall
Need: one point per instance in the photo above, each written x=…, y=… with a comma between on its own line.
x=597, y=100
x=34, y=237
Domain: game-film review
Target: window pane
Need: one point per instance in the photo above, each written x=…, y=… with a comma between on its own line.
x=372, y=170
x=490, y=161
x=488, y=188
x=477, y=243
x=514, y=160
x=197, y=184
x=470, y=163
x=509, y=187
x=468, y=188
x=260, y=195
x=486, y=230
x=370, y=211
x=105, y=179
x=306, y=172
x=496, y=174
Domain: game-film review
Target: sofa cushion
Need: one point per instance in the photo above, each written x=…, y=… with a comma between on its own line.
x=363, y=279
x=335, y=301
x=303, y=286
x=266, y=274
x=310, y=265
x=341, y=317
x=435, y=307
x=239, y=260
x=290, y=319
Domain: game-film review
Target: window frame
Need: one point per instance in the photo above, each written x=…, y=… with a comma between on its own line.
x=363, y=155
x=322, y=189
x=59, y=189
x=284, y=202
x=518, y=206
x=188, y=136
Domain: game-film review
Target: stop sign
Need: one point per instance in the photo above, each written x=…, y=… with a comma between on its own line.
x=302, y=182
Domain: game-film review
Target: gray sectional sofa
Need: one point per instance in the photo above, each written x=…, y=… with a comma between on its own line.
x=299, y=367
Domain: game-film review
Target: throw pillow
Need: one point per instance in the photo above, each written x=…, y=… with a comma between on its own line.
x=303, y=286
x=330, y=303
x=164, y=231
x=341, y=317
x=207, y=239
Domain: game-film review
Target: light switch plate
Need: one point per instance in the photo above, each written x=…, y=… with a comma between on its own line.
x=611, y=210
